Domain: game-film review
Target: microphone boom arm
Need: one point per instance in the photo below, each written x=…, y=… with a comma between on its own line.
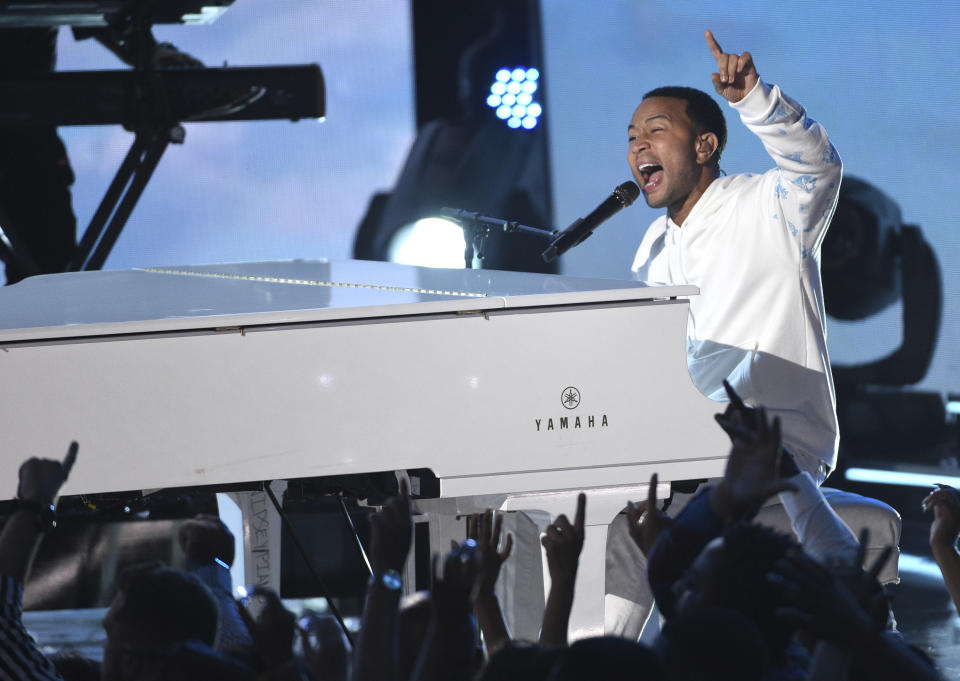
x=477, y=228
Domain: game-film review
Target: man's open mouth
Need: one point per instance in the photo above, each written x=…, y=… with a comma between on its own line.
x=651, y=174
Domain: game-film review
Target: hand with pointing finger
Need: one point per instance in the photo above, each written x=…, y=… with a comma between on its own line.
x=41, y=479
x=736, y=75
x=646, y=520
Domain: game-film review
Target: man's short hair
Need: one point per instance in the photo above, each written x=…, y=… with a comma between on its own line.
x=702, y=110
x=164, y=606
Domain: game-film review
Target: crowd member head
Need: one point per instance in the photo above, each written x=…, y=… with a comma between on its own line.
x=731, y=573
x=676, y=136
x=739, y=653
x=206, y=538
x=607, y=657
x=155, y=609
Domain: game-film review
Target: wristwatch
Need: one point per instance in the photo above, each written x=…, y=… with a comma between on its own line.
x=391, y=580
x=46, y=513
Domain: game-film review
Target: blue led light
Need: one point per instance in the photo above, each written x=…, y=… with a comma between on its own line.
x=511, y=95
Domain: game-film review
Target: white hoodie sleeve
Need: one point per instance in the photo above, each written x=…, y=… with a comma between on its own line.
x=807, y=185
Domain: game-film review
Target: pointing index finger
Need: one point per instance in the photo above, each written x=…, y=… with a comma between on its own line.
x=714, y=46
x=580, y=518
x=70, y=459
x=735, y=399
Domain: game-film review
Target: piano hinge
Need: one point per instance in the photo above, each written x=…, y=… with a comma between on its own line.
x=231, y=329
x=473, y=313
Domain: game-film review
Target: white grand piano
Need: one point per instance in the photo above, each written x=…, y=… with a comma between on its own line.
x=516, y=390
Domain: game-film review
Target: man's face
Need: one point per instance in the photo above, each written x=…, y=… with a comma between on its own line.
x=663, y=151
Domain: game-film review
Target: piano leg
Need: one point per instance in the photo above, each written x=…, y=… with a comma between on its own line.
x=603, y=505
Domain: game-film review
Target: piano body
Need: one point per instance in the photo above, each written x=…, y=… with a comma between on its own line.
x=515, y=390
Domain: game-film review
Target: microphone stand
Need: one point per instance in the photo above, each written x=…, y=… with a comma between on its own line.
x=476, y=229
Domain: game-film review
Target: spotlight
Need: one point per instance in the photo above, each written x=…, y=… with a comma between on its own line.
x=511, y=96
x=428, y=242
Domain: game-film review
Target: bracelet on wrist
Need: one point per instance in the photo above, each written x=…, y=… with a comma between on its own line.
x=390, y=580
x=46, y=513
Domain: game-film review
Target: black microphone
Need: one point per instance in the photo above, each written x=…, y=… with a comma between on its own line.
x=622, y=197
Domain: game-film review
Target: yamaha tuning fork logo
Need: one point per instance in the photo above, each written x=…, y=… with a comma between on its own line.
x=570, y=399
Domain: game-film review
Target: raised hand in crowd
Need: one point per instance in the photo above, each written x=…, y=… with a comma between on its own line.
x=449, y=652
x=563, y=542
x=753, y=469
x=391, y=532
x=944, y=530
x=646, y=521
x=326, y=649
x=272, y=630
x=736, y=75
x=486, y=530
x=39, y=484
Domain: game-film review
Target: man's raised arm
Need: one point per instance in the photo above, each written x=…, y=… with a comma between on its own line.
x=808, y=183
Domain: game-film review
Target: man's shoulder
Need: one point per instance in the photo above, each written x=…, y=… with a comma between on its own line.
x=646, y=249
x=731, y=191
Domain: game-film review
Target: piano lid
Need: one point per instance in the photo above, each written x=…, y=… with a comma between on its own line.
x=24, y=13
x=150, y=300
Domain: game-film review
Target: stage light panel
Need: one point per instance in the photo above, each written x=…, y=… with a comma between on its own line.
x=511, y=97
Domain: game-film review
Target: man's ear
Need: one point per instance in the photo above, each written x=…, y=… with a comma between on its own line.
x=707, y=144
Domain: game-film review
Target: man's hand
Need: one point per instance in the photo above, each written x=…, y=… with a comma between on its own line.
x=326, y=649
x=738, y=420
x=646, y=521
x=752, y=475
x=945, y=528
x=563, y=543
x=391, y=530
x=204, y=538
x=486, y=531
x=273, y=630
x=455, y=592
x=41, y=479
x=736, y=74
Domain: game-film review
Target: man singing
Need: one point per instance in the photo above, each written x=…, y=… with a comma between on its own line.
x=750, y=242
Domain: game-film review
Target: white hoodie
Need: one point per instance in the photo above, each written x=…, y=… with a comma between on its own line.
x=752, y=245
